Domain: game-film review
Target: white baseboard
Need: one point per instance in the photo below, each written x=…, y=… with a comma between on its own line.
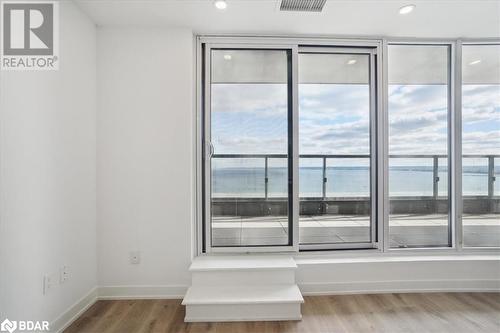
x=401, y=286
x=75, y=311
x=142, y=292
x=307, y=289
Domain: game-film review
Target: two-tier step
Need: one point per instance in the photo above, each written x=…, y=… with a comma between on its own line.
x=243, y=288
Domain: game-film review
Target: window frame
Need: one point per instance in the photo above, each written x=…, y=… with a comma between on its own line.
x=458, y=162
x=373, y=134
x=454, y=140
x=293, y=209
x=451, y=140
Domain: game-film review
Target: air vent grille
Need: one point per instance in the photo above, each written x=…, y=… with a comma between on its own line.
x=302, y=5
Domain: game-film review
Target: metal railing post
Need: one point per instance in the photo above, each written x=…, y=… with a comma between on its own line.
x=435, y=177
x=491, y=176
x=324, y=179
x=266, y=178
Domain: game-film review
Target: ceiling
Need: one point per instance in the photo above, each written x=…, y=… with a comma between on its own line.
x=431, y=18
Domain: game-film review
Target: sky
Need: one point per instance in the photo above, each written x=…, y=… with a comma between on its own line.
x=481, y=119
x=334, y=119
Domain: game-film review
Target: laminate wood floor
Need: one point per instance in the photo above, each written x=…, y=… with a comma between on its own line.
x=431, y=312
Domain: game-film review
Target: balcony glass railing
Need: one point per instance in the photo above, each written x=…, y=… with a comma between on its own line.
x=348, y=176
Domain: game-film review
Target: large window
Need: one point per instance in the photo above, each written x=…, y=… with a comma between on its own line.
x=481, y=145
x=347, y=144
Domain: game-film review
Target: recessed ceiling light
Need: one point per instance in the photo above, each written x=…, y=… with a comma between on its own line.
x=220, y=4
x=406, y=9
x=475, y=62
x=227, y=57
x=352, y=61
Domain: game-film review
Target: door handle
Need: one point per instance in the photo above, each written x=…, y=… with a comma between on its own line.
x=210, y=149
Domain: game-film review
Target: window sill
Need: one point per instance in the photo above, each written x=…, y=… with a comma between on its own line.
x=375, y=256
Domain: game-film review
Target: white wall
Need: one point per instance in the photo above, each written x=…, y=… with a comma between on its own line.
x=47, y=177
x=145, y=148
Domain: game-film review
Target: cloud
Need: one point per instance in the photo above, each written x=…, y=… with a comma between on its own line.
x=334, y=119
x=404, y=122
x=418, y=119
x=417, y=98
x=481, y=119
x=329, y=102
x=480, y=103
x=481, y=143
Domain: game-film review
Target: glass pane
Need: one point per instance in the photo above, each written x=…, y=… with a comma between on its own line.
x=474, y=176
x=442, y=177
x=249, y=123
x=277, y=175
x=334, y=134
x=496, y=177
x=311, y=177
x=348, y=178
x=418, y=145
x=237, y=177
x=410, y=177
x=481, y=145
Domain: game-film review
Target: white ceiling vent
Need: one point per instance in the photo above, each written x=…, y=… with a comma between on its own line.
x=302, y=5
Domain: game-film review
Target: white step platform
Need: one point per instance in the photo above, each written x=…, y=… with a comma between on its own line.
x=243, y=288
x=243, y=270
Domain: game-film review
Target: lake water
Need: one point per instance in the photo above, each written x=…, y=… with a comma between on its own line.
x=344, y=181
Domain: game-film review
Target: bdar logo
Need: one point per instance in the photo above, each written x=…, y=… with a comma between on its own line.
x=8, y=326
x=24, y=325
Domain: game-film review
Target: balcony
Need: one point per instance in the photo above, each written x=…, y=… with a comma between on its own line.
x=329, y=213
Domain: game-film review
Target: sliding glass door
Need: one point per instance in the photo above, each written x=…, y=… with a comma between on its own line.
x=248, y=147
x=336, y=145
x=289, y=146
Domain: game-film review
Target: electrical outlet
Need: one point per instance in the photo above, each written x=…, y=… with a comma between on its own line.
x=48, y=283
x=63, y=274
x=135, y=257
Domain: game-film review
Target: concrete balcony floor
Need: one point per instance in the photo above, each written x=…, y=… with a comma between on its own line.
x=405, y=230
